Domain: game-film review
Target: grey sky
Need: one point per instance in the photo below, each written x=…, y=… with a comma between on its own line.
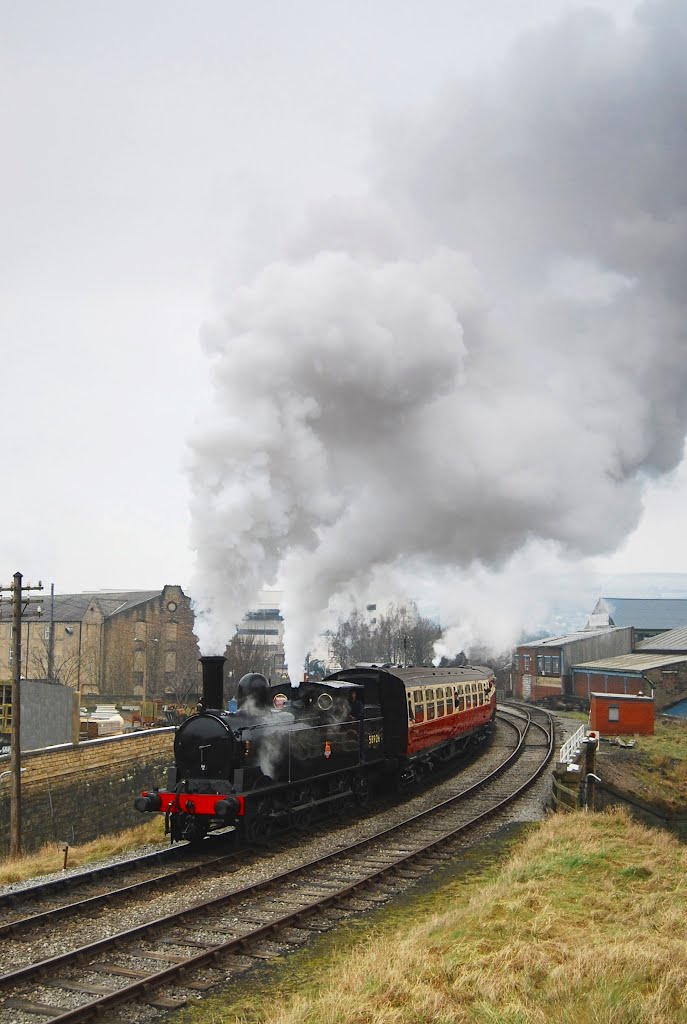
x=155, y=156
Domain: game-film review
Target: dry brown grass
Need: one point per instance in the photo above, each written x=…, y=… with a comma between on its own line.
x=51, y=857
x=585, y=924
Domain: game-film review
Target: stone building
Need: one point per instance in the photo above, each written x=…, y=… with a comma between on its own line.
x=119, y=644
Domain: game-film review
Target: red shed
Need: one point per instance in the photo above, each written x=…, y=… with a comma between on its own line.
x=621, y=714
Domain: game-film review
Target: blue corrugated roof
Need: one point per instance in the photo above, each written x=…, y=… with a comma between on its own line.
x=644, y=613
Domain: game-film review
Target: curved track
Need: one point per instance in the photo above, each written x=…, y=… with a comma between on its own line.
x=180, y=951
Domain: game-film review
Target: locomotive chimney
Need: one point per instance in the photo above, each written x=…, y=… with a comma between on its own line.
x=213, y=680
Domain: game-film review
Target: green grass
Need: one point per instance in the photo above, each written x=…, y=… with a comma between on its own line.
x=662, y=768
x=583, y=923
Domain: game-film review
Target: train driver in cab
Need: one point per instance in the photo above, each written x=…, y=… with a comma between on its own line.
x=357, y=707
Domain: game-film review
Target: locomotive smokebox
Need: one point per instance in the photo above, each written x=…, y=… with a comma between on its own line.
x=213, y=680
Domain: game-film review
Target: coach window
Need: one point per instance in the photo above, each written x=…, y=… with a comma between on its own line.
x=449, y=700
x=440, y=702
x=481, y=693
x=460, y=698
x=419, y=706
x=411, y=715
x=430, y=704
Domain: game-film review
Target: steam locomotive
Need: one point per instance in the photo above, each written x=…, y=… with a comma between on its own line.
x=283, y=755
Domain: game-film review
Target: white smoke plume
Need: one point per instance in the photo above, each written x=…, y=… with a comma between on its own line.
x=489, y=350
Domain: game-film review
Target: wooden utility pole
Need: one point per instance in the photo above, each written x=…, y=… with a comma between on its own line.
x=15, y=749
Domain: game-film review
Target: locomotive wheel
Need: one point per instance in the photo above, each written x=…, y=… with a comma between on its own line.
x=260, y=825
x=259, y=830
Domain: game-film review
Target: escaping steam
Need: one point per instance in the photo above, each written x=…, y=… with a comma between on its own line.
x=497, y=359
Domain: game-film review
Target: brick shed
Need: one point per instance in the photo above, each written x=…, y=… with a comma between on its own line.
x=664, y=674
x=621, y=714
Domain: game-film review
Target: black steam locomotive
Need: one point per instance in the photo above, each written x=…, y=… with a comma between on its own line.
x=283, y=755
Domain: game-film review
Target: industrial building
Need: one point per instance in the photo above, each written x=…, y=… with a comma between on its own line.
x=543, y=668
x=663, y=677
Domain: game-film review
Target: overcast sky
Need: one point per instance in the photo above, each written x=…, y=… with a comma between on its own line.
x=155, y=157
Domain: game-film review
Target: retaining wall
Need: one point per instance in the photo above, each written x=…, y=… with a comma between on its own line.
x=76, y=792
x=606, y=795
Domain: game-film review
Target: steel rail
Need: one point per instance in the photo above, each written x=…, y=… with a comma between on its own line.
x=134, y=990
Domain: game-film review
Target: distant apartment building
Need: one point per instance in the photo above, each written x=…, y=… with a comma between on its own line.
x=265, y=625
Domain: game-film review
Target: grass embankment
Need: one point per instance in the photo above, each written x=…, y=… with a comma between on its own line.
x=51, y=857
x=662, y=765
x=584, y=923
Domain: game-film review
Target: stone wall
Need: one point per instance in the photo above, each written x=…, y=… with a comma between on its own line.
x=75, y=793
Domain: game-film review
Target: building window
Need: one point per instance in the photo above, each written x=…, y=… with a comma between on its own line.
x=613, y=713
x=171, y=629
x=141, y=631
x=547, y=665
x=139, y=663
x=170, y=662
x=516, y=663
x=526, y=662
x=556, y=664
x=138, y=679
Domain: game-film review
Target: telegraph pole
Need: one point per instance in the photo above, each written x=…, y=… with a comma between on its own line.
x=15, y=749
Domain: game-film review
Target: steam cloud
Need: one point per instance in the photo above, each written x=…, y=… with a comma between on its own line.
x=488, y=350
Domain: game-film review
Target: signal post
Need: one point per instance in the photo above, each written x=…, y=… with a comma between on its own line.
x=19, y=603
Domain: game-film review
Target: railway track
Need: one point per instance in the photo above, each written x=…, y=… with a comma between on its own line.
x=167, y=960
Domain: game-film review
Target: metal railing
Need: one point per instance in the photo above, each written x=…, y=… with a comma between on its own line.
x=571, y=747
